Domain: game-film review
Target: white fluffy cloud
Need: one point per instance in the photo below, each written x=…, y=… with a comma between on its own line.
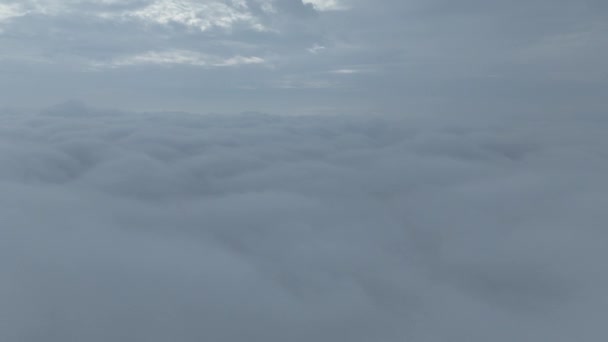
x=197, y=14
x=8, y=11
x=174, y=227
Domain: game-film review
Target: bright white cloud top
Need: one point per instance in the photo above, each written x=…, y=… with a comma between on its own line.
x=120, y=226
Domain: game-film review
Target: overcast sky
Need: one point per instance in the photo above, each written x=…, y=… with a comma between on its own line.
x=314, y=56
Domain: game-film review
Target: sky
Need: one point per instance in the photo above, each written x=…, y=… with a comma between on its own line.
x=286, y=170
x=314, y=56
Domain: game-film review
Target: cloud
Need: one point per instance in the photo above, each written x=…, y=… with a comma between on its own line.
x=9, y=11
x=200, y=15
x=241, y=60
x=315, y=49
x=120, y=226
x=178, y=57
x=325, y=5
x=346, y=71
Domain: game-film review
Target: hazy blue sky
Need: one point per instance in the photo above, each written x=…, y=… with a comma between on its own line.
x=311, y=56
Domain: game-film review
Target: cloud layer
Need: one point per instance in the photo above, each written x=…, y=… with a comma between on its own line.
x=122, y=226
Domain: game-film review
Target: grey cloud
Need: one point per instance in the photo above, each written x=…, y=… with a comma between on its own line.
x=171, y=226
